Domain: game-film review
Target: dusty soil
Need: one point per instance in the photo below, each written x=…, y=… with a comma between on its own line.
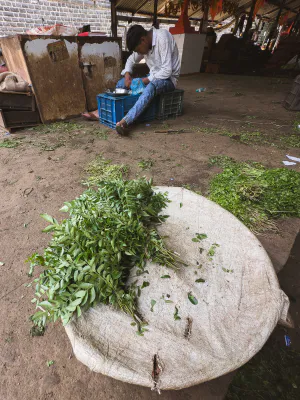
x=46, y=169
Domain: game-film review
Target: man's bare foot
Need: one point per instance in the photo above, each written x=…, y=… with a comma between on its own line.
x=92, y=116
x=122, y=127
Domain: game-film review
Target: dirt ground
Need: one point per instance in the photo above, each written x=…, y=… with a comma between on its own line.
x=236, y=116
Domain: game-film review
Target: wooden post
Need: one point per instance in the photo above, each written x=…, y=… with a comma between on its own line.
x=249, y=20
x=274, y=27
x=155, y=22
x=236, y=24
x=295, y=23
x=204, y=21
x=114, y=22
x=259, y=24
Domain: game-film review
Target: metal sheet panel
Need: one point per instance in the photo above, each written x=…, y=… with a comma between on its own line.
x=100, y=60
x=55, y=74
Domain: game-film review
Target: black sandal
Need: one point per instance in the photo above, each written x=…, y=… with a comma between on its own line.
x=122, y=130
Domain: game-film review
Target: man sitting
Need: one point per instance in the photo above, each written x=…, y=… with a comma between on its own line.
x=160, y=51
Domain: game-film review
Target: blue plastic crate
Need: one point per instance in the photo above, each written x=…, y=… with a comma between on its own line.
x=169, y=105
x=113, y=109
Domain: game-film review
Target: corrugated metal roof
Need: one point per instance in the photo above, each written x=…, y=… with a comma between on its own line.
x=147, y=7
x=143, y=7
x=270, y=10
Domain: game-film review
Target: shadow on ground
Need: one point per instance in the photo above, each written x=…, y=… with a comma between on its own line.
x=274, y=373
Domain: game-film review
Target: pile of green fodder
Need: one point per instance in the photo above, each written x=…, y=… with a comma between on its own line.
x=110, y=230
x=255, y=194
x=100, y=170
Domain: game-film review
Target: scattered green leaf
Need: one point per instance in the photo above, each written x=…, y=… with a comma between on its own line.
x=153, y=302
x=199, y=237
x=37, y=331
x=212, y=251
x=10, y=143
x=101, y=133
x=146, y=164
x=50, y=362
x=176, y=316
x=100, y=170
x=63, y=127
x=227, y=270
x=192, y=298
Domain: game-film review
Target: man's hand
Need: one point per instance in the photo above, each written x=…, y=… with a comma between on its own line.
x=145, y=81
x=128, y=80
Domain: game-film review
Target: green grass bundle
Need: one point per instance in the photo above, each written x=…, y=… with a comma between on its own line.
x=254, y=194
x=110, y=230
x=100, y=170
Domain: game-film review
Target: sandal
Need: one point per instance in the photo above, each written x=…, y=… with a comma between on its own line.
x=122, y=129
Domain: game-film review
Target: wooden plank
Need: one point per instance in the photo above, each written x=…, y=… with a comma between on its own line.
x=114, y=21
x=17, y=101
x=146, y=20
x=249, y=20
x=162, y=15
x=14, y=57
x=155, y=23
x=3, y=125
x=10, y=120
x=17, y=118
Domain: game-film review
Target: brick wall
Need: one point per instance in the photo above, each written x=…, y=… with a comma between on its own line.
x=18, y=15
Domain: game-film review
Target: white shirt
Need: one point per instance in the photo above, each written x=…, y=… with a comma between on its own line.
x=162, y=60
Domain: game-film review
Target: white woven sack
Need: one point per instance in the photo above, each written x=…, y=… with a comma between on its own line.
x=235, y=314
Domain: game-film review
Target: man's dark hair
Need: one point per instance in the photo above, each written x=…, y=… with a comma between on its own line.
x=134, y=35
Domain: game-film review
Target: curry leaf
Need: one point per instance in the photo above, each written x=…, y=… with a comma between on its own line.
x=192, y=298
x=145, y=284
x=48, y=218
x=176, y=316
x=109, y=230
x=153, y=302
